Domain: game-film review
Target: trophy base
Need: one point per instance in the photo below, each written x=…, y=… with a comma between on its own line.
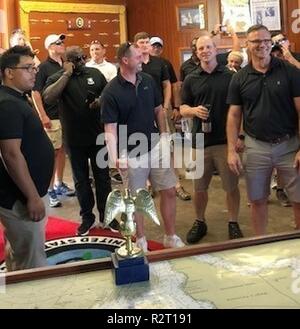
x=130, y=270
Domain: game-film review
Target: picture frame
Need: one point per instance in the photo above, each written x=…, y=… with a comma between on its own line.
x=267, y=13
x=237, y=14
x=192, y=16
x=185, y=54
x=241, y=14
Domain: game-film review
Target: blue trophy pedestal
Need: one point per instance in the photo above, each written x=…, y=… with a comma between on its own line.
x=130, y=270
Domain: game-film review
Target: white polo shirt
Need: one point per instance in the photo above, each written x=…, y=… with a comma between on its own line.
x=107, y=69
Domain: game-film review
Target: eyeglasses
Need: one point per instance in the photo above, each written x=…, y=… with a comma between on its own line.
x=80, y=58
x=28, y=68
x=258, y=41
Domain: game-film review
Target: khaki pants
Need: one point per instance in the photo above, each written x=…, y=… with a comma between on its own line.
x=24, y=239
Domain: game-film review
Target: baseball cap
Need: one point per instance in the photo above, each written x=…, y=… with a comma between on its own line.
x=154, y=40
x=52, y=38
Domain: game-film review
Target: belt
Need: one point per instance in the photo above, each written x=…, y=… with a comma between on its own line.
x=277, y=140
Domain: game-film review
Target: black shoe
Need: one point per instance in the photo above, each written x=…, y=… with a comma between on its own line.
x=182, y=194
x=234, y=231
x=197, y=232
x=114, y=226
x=85, y=227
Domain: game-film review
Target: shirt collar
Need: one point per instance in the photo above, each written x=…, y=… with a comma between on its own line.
x=14, y=92
x=218, y=68
x=124, y=81
x=273, y=63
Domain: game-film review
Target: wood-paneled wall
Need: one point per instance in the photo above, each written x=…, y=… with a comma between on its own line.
x=159, y=17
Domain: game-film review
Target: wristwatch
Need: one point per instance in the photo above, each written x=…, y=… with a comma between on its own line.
x=241, y=137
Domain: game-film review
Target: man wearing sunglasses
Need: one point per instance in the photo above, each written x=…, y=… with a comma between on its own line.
x=26, y=164
x=49, y=115
x=282, y=42
x=78, y=88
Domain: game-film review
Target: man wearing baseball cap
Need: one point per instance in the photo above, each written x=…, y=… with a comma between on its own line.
x=49, y=116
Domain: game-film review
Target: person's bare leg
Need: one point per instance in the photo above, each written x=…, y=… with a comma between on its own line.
x=259, y=216
x=168, y=209
x=200, y=203
x=60, y=165
x=233, y=204
x=296, y=208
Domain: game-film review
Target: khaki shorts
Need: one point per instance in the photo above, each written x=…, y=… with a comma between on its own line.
x=215, y=158
x=55, y=134
x=160, y=178
x=260, y=158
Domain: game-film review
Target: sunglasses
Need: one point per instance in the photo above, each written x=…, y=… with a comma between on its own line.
x=97, y=42
x=58, y=43
x=80, y=58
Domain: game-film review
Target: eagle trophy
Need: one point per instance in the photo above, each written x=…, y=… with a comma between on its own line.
x=127, y=205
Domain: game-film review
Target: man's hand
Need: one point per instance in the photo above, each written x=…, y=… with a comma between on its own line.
x=200, y=112
x=36, y=209
x=297, y=162
x=234, y=163
x=68, y=67
x=176, y=116
x=46, y=122
x=240, y=146
x=95, y=104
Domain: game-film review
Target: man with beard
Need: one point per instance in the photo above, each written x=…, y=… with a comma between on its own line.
x=78, y=87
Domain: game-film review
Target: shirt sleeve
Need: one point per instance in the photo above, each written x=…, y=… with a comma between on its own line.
x=186, y=93
x=234, y=95
x=164, y=72
x=40, y=80
x=172, y=74
x=294, y=77
x=12, y=120
x=109, y=108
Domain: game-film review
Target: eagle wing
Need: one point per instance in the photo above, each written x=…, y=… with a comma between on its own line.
x=145, y=205
x=114, y=206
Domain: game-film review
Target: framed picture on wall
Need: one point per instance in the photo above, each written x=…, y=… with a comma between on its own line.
x=192, y=16
x=236, y=13
x=185, y=54
x=266, y=13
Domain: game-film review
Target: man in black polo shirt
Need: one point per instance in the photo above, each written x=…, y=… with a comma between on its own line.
x=79, y=87
x=191, y=64
x=26, y=164
x=266, y=94
x=207, y=87
x=132, y=100
x=49, y=115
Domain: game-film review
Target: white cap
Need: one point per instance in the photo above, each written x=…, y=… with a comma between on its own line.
x=154, y=40
x=52, y=38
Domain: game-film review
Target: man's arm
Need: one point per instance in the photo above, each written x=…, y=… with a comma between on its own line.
x=111, y=138
x=297, y=159
x=234, y=119
x=289, y=57
x=53, y=91
x=160, y=119
x=167, y=91
x=38, y=103
x=17, y=169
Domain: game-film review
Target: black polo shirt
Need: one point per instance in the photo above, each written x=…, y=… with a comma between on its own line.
x=156, y=67
x=188, y=67
x=222, y=58
x=267, y=99
x=81, y=124
x=46, y=69
x=127, y=104
x=200, y=88
x=19, y=121
x=171, y=71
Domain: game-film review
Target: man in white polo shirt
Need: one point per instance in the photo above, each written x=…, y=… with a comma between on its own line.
x=97, y=53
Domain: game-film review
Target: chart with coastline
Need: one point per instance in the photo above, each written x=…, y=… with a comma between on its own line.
x=262, y=276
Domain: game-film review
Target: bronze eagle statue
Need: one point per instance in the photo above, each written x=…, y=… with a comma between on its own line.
x=125, y=204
